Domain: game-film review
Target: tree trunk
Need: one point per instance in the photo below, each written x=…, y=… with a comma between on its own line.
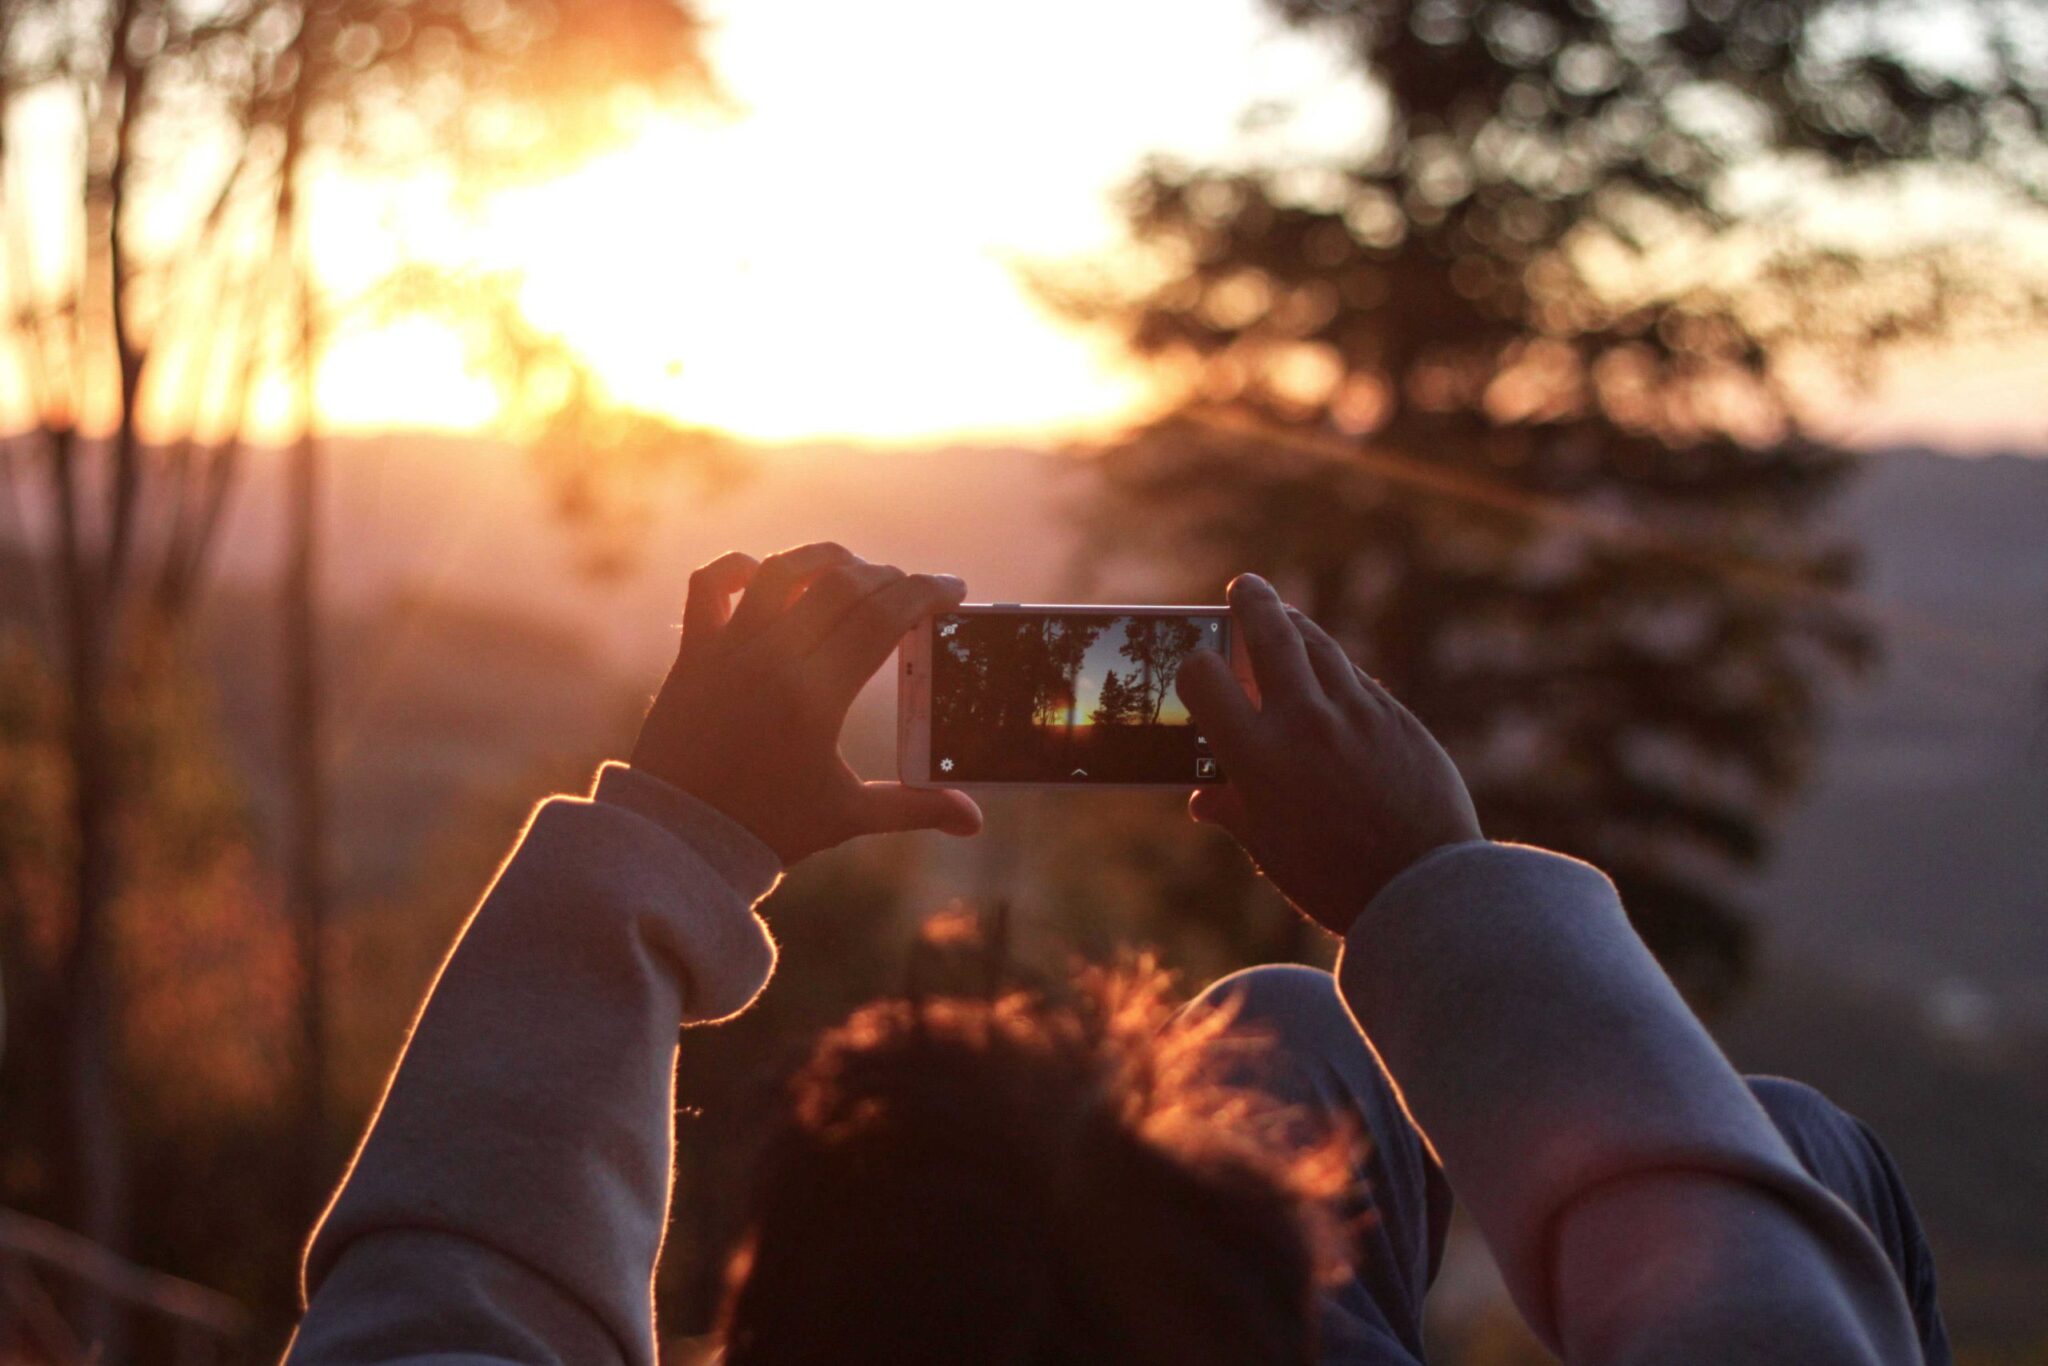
x=89, y=1006
x=91, y=1142
x=308, y=880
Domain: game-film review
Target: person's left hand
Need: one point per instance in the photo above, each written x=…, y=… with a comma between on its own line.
x=1335, y=788
x=749, y=717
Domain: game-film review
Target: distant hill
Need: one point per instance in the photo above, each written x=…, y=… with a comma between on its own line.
x=1918, y=858
x=441, y=517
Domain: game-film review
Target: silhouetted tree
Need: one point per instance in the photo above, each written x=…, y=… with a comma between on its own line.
x=1066, y=645
x=1119, y=705
x=1503, y=398
x=1157, y=645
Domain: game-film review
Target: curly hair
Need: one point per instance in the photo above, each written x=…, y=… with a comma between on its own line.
x=1015, y=1179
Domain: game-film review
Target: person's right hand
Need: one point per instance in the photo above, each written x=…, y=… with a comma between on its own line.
x=749, y=717
x=1334, y=788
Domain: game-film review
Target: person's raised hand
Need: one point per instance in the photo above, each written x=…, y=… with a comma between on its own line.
x=1333, y=787
x=749, y=717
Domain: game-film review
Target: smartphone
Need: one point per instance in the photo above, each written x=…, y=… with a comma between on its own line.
x=1033, y=695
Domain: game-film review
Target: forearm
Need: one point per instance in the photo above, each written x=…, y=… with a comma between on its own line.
x=1640, y=1203
x=509, y=1200
x=1675, y=1266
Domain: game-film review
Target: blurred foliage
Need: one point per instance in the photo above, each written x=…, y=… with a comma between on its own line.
x=1506, y=398
x=1137, y=871
x=206, y=978
x=204, y=973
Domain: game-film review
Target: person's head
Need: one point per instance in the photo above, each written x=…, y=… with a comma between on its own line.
x=1010, y=1182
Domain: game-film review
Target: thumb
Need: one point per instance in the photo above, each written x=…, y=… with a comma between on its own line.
x=895, y=806
x=1222, y=806
x=1217, y=702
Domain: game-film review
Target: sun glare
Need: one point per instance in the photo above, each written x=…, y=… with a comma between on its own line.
x=834, y=259
x=739, y=297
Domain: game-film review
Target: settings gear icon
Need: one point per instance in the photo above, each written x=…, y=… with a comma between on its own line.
x=945, y=765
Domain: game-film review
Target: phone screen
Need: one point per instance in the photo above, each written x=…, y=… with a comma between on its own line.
x=1060, y=697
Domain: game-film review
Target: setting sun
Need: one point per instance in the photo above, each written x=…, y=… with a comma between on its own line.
x=717, y=297
x=834, y=255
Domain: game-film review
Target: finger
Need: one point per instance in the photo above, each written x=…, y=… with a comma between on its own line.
x=779, y=579
x=870, y=631
x=831, y=595
x=1279, y=659
x=1333, y=668
x=709, y=604
x=888, y=807
x=1217, y=701
x=1223, y=806
x=1377, y=692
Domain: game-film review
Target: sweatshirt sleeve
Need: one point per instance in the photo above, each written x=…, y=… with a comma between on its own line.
x=1641, y=1205
x=508, y=1202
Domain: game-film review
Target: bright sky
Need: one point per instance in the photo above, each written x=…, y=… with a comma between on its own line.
x=1104, y=655
x=836, y=258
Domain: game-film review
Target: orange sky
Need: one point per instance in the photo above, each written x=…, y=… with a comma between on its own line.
x=836, y=259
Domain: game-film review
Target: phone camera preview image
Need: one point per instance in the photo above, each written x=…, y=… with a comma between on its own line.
x=1031, y=697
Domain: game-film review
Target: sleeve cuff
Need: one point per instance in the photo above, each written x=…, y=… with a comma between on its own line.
x=750, y=867
x=1450, y=877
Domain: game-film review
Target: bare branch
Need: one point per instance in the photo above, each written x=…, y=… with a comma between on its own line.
x=126, y=85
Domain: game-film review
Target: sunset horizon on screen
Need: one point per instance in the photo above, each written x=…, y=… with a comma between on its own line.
x=1039, y=695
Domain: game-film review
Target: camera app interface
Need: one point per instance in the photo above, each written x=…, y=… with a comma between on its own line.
x=1025, y=697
